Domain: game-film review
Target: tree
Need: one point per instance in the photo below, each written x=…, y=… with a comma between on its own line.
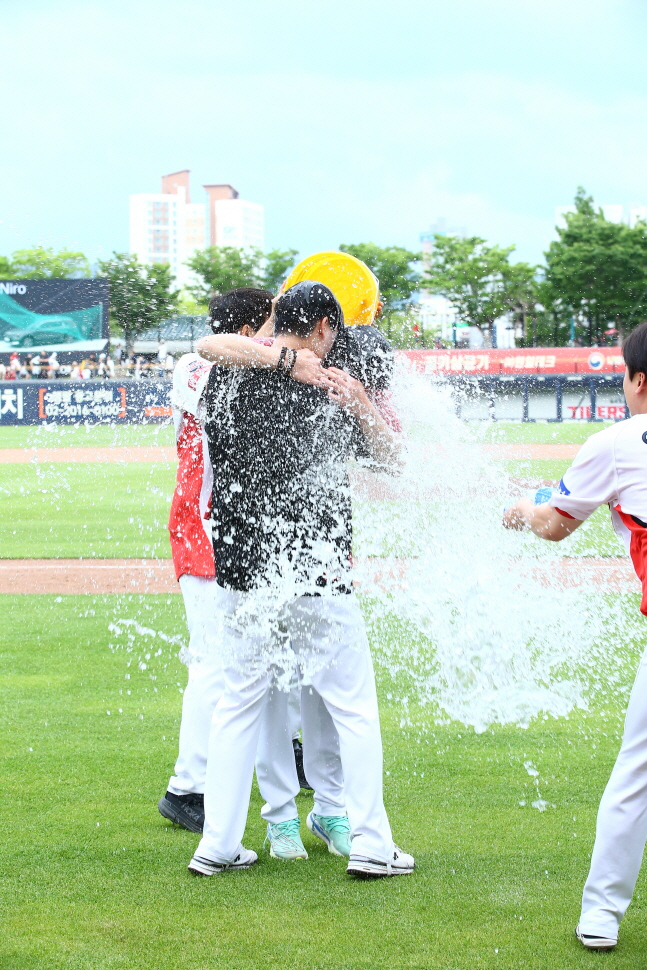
x=548, y=323
x=41, y=263
x=278, y=262
x=222, y=268
x=597, y=270
x=6, y=269
x=398, y=327
x=522, y=291
x=479, y=280
x=395, y=268
x=140, y=296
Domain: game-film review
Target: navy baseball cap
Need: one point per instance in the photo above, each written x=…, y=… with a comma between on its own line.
x=305, y=303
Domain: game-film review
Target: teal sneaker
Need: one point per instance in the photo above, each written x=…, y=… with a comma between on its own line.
x=285, y=840
x=334, y=830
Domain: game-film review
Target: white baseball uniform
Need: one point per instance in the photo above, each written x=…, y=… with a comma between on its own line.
x=193, y=559
x=611, y=468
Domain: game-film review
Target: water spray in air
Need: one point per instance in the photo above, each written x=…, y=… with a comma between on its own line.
x=457, y=616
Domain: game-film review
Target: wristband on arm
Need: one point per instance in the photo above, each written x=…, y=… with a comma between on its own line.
x=287, y=360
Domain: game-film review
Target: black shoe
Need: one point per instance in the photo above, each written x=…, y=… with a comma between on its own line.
x=184, y=810
x=298, y=760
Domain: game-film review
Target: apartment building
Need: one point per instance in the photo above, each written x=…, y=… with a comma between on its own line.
x=167, y=227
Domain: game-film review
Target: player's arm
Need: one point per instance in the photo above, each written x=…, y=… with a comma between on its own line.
x=232, y=350
x=383, y=443
x=589, y=483
x=544, y=520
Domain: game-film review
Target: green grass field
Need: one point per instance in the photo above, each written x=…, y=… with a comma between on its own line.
x=513, y=432
x=85, y=510
x=94, y=879
x=109, y=511
x=87, y=435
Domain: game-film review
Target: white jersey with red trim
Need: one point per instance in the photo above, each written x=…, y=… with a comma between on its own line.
x=611, y=469
x=189, y=522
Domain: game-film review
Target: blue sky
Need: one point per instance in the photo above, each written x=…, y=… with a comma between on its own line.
x=349, y=120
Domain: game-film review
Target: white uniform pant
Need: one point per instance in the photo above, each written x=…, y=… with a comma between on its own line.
x=276, y=771
x=277, y=776
x=621, y=830
x=205, y=685
x=344, y=680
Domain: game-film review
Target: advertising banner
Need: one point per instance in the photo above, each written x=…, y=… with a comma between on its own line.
x=78, y=402
x=604, y=412
x=41, y=316
x=534, y=360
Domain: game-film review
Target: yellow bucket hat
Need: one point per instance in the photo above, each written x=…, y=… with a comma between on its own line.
x=351, y=281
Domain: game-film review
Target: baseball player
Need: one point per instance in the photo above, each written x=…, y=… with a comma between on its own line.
x=244, y=310
x=611, y=469
x=281, y=448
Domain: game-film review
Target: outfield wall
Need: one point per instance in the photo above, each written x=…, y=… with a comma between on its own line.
x=546, y=361
x=480, y=395
x=65, y=402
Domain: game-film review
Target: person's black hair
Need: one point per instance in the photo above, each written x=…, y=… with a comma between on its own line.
x=298, y=310
x=245, y=305
x=634, y=351
x=363, y=352
x=375, y=357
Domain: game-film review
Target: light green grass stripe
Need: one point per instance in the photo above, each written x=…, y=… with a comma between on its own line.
x=95, y=510
x=567, y=432
x=121, y=510
x=60, y=436
x=90, y=435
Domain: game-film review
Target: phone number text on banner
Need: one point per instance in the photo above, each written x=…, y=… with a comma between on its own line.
x=36, y=402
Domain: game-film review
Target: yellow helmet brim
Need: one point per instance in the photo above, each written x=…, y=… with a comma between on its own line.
x=353, y=284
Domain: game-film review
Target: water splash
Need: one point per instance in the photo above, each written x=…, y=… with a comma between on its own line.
x=456, y=617
x=460, y=628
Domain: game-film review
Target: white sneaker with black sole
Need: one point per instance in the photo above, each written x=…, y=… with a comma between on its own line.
x=594, y=942
x=243, y=859
x=400, y=864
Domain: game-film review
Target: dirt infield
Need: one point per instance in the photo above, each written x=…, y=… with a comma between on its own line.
x=87, y=576
x=99, y=576
x=79, y=455
x=150, y=453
